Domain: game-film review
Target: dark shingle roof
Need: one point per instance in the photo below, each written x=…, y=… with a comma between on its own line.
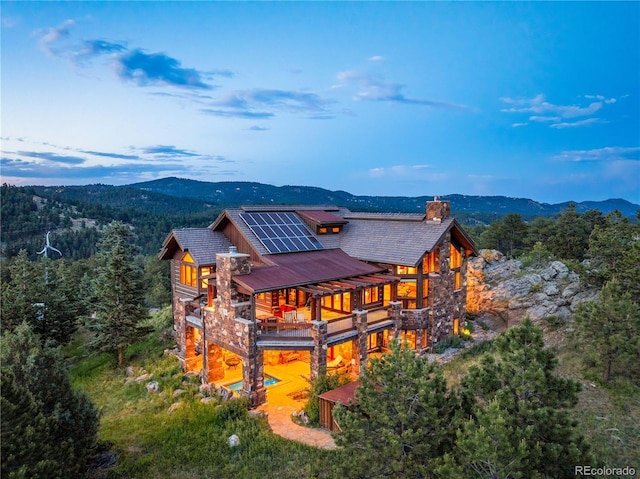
x=202, y=243
x=395, y=242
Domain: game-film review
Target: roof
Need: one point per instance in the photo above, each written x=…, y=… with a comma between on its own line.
x=306, y=267
x=344, y=394
x=321, y=217
x=202, y=244
x=395, y=242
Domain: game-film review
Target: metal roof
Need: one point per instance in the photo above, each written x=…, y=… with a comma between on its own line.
x=344, y=394
x=306, y=268
x=202, y=244
x=321, y=217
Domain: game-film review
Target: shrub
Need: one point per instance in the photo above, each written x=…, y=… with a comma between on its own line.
x=319, y=386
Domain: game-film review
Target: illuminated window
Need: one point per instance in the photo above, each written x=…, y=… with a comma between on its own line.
x=407, y=270
x=335, y=229
x=386, y=294
x=407, y=293
x=455, y=258
x=425, y=293
x=431, y=262
x=371, y=295
x=205, y=271
x=456, y=326
x=458, y=280
x=188, y=273
x=322, y=231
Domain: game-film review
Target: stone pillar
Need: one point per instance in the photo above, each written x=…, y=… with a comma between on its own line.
x=395, y=308
x=190, y=358
x=253, y=378
x=319, y=352
x=179, y=324
x=361, y=341
x=214, y=362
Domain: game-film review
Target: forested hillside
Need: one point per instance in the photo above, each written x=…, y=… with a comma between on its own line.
x=74, y=214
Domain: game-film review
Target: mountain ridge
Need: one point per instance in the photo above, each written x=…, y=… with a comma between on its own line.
x=245, y=192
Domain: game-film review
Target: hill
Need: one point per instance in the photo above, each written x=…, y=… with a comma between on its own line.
x=237, y=193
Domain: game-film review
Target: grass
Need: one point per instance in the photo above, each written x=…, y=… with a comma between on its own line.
x=190, y=442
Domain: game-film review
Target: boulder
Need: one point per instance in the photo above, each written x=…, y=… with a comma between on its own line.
x=174, y=406
x=233, y=440
x=153, y=386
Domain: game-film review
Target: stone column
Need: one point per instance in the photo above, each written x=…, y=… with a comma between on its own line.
x=395, y=314
x=361, y=341
x=319, y=352
x=179, y=323
x=253, y=378
x=190, y=358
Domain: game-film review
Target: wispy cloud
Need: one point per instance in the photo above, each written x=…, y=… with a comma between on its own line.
x=165, y=151
x=557, y=116
x=376, y=58
x=263, y=103
x=373, y=88
x=53, y=157
x=131, y=64
x=50, y=36
x=607, y=154
x=257, y=128
x=516, y=125
x=574, y=124
x=398, y=170
x=117, y=156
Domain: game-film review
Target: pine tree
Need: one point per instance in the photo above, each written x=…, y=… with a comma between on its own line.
x=48, y=429
x=402, y=419
x=117, y=293
x=610, y=328
x=515, y=421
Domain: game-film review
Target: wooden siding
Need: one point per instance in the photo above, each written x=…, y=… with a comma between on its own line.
x=236, y=239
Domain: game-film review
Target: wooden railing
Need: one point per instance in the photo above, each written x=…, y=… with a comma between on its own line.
x=284, y=330
x=340, y=325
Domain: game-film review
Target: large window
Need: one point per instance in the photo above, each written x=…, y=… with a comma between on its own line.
x=188, y=274
x=431, y=262
x=371, y=295
x=338, y=302
x=455, y=262
x=407, y=293
x=205, y=271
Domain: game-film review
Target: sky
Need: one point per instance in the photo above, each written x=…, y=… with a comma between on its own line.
x=534, y=100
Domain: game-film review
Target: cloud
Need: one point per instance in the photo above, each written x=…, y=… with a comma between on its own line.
x=262, y=103
x=52, y=35
x=116, y=156
x=516, y=125
x=376, y=58
x=157, y=68
x=398, y=170
x=375, y=89
x=607, y=154
x=557, y=115
x=574, y=124
x=133, y=65
x=257, y=128
x=166, y=151
x=53, y=157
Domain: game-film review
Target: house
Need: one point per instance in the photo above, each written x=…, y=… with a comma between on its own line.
x=265, y=286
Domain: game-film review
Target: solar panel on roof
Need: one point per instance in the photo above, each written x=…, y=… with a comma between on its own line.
x=281, y=232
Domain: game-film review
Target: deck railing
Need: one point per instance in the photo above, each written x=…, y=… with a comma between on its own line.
x=340, y=325
x=284, y=330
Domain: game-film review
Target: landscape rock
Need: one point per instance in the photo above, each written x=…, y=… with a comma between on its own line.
x=233, y=440
x=208, y=400
x=174, y=406
x=178, y=392
x=144, y=377
x=502, y=287
x=153, y=386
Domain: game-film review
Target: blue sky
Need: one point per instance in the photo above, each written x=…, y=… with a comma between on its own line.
x=534, y=100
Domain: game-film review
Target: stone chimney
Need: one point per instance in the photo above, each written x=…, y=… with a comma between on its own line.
x=438, y=210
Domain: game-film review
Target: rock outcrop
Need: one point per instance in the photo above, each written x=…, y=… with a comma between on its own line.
x=506, y=289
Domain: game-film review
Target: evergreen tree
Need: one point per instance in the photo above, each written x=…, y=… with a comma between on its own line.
x=571, y=238
x=48, y=429
x=117, y=293
x=610, y=329
x=609, y=243
x=401, y=421
x=39, y=294
x=507, y=235
x=516, y=422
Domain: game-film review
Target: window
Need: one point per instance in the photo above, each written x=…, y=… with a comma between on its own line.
x=455, y=258
x=407, y=293
x=371, y=295
x=386, y=294
x=407, y=270
x=323, y=230
x=455, y=261
x=456, y=326
x=425, y=293
x=431, y=262
x=205, y=271
x=188, y=274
